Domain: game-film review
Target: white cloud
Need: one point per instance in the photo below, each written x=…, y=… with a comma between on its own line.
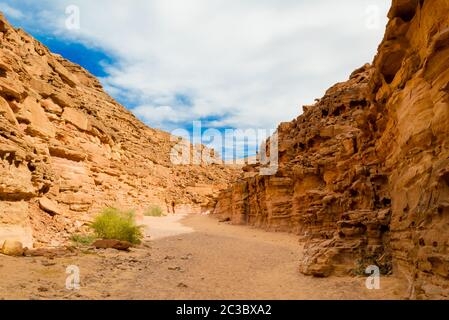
x=244, y=64
x=159, y=114
x=10, y=11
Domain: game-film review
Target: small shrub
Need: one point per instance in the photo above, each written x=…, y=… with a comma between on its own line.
x=83, y=239
x=154, y=211
x=114, y=224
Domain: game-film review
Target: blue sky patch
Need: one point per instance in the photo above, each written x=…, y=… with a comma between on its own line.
x=90, y=59
x=93, y=60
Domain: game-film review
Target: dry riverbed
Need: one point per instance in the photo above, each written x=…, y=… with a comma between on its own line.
x=186, y=257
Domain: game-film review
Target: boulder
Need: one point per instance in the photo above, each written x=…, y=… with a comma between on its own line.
x=12, y=248
x=49, y=206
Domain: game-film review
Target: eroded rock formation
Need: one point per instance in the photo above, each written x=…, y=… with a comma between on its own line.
x=364, y=173
x=67, y=149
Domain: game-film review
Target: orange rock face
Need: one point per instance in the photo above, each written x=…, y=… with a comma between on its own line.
x=364, y=173
x=67, y=150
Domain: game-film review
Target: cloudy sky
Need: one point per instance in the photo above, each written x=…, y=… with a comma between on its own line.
x=231, y=64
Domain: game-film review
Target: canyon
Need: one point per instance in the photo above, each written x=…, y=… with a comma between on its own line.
x=363, y=173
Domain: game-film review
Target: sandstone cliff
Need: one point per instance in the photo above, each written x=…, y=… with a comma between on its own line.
x=67, y=149
x=364, y=173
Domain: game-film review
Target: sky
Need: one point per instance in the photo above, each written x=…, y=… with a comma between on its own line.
x=247, y=64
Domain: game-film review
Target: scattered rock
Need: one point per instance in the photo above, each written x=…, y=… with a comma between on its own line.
x=112, y=244
x=175, y=268
x=50, y=253
x=47, y=263
x=187, y=257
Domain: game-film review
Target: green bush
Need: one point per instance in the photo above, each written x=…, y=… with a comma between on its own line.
x=83, y=239
x=114, y=224
x=153, y=211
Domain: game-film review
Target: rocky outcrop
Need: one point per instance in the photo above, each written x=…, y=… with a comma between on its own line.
x=364, y=173
x=67, y=149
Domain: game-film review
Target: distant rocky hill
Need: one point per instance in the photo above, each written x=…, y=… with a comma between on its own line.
x=67, y=149
x=364, y=173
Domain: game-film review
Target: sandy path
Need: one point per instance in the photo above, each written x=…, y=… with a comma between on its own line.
x=187, y=257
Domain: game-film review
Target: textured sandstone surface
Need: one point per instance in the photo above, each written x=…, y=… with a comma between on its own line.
x=364, y=173
x=67, y=149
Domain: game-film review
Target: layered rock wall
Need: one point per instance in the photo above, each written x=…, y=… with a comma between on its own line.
x=364, y=173
x=67, y=149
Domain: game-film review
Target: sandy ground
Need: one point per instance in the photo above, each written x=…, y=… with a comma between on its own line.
x=187, y=257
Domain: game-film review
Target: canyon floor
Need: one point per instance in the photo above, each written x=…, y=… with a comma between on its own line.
x=187, y=257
